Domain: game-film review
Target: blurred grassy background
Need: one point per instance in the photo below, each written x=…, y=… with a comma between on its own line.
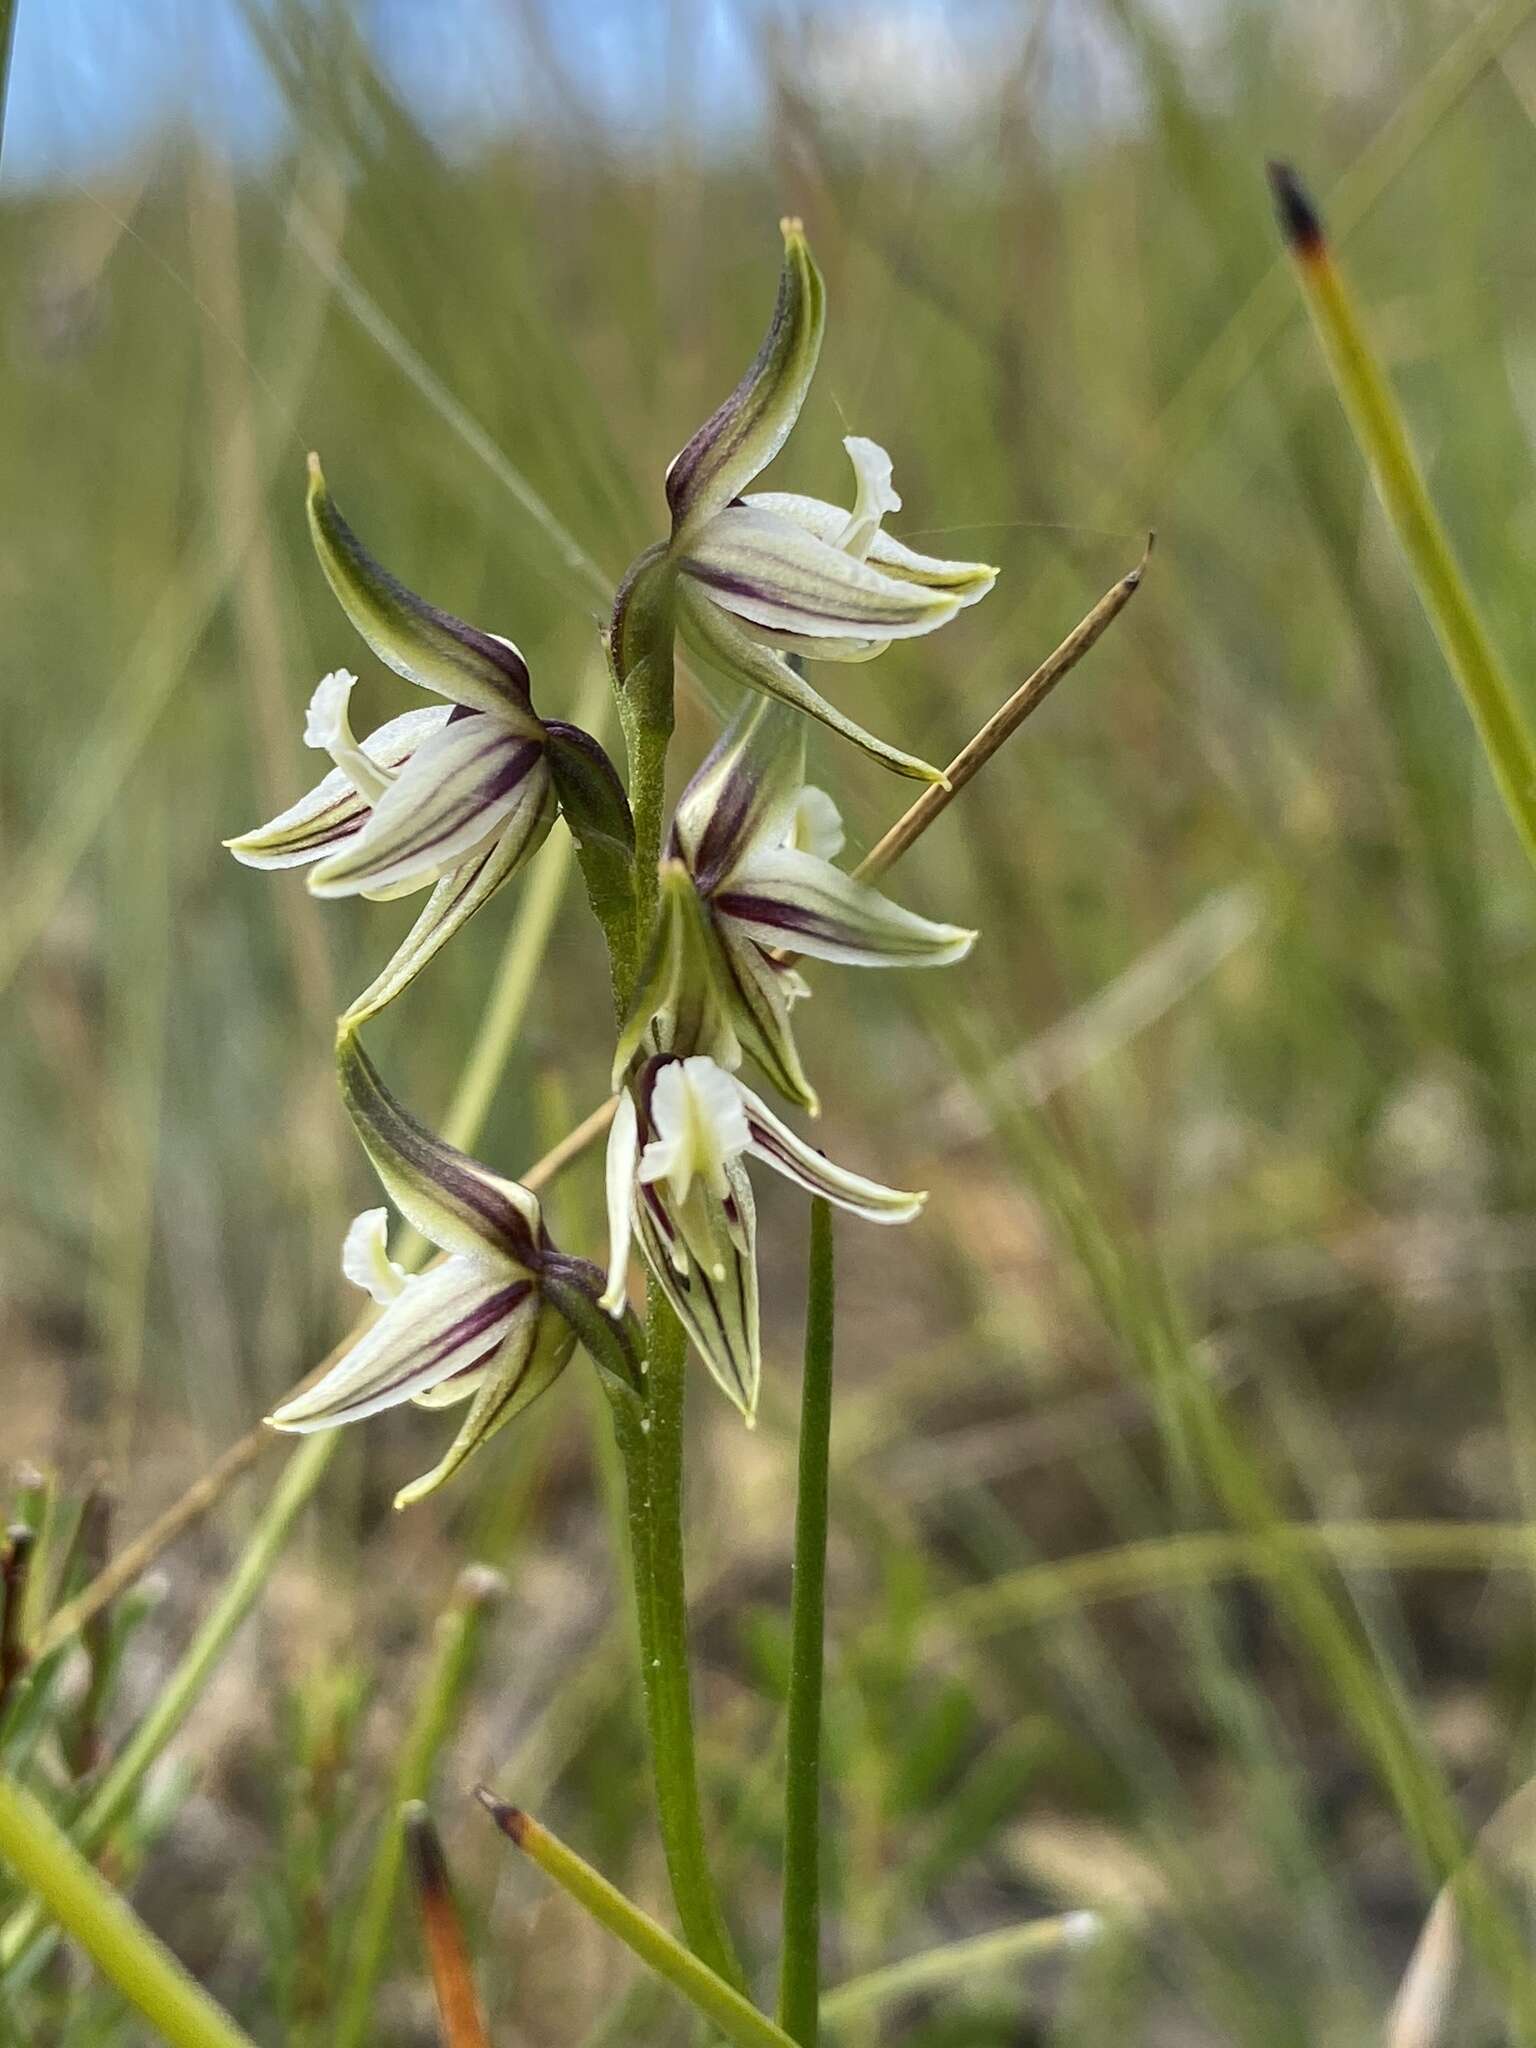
x=1238, y=1074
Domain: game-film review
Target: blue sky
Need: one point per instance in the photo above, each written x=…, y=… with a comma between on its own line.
x=91, y=77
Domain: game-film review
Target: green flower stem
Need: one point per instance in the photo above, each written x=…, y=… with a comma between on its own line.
x=651, y=1438
x=458, y=1634
x=185, y=1685
x=122, y=1947
x=800, y=1963
x=1377, y=423
x=654, y=1461
x=737, y=2019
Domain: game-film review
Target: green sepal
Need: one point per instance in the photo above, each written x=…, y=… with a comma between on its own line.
x=427, y=646
x=513, y=1381
x=742, y=436
x=680, y=986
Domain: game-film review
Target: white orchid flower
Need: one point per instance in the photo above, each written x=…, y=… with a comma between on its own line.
x=748, y=870
x=771, y=575
x=456, y=797
x=677, y=1181
x=495, y=1322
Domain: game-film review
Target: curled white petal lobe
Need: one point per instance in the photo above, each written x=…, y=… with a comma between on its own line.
x=439, y=1324
x=455, y=791
x=696, y=1113
x=328, y=728
x=966, y=582
x=365, y=1259
x=873, y=498
x=817, y=826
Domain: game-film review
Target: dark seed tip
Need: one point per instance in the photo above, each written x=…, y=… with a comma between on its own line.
x=1299, y=220
x=512, y=1822
x=424, y=1849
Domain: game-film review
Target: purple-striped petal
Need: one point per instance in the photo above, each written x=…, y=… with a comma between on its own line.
x=468, y=885
x=772, y=573
x=777, y=1146
x=442, y=1322
x=782, y=897
x=453, y=792
x=719, y=1311
x=759, y=997
x=535, y=1353
x=745, y=792
x=726, y=644
x=966, y=582
x=742, y=436
x=332, y=813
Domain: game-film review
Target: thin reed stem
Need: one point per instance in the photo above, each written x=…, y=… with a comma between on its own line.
x=737, y=2019
x=1377, y=423
x=456, y=1643
x=185, y=1685
x=800, y=1961
x=107, y=1928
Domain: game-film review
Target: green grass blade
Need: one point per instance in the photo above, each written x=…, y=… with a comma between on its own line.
x=122, y=1947
x=800, y=1964
x=1377, y=423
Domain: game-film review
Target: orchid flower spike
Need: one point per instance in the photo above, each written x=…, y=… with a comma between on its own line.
x=748, y=868
x=494, y=1323
x=772, y=575
x=677, y=1182
x=456, y=796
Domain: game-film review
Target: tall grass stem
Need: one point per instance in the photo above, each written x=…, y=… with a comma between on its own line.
x=800, y=1960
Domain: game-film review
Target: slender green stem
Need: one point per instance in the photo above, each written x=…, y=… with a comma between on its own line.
x=458, y=1634
x=800, y=1963
x=655, y=1467
x=109, y=1931
x=1377, y=422
x=185, y=1685
x=736, y=2017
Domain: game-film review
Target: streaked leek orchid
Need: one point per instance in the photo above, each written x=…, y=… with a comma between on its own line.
x=764, y=578
x=747, y=870
x=493, y=1323
x=456, y=797
x=677, y=1182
